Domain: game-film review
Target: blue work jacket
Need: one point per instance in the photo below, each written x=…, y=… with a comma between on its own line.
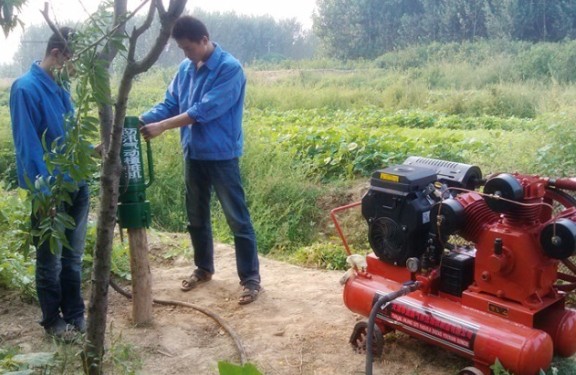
x=38, y=106
x=213, y=96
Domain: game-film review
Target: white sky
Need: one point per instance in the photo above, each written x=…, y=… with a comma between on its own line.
x=73, y=10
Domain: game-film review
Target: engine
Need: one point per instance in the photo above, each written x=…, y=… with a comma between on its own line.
x=397, y=208
x=398, y=204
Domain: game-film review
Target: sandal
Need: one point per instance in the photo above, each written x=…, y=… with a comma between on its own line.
x=249, y=294
x=196, y=278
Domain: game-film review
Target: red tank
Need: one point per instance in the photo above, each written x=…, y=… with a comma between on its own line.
x=483, y=335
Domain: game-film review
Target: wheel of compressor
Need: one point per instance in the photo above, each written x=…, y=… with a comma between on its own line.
x=358, y=339
x=561, y=200
x=470, y=371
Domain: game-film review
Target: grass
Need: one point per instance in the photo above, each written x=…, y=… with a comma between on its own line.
x=54, y=358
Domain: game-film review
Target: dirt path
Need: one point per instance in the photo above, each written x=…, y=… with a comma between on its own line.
x=299, y=325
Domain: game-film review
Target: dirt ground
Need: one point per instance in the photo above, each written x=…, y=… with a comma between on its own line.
x=299, y=325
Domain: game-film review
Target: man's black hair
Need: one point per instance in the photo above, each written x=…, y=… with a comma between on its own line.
x=191, y=28
x=62, y=43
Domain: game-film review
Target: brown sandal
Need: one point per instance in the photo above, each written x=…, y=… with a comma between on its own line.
x=249, y=294
x=193, y=280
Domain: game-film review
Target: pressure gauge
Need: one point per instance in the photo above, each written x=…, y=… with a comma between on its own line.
x=413, y=264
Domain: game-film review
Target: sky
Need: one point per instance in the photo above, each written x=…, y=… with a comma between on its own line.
x=73, y=10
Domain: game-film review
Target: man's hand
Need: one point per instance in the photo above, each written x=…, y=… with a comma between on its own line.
x=152, y=130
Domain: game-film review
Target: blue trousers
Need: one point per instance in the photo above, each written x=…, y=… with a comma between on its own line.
x=224, y=177
x=58, y=274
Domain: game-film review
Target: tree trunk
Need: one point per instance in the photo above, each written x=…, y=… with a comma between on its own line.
x=141, y=277
x=106, y=116
x=98, y=305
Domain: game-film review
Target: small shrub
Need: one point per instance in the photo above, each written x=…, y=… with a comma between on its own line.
x=16, y=262
x=321, y=255
x=557, y=156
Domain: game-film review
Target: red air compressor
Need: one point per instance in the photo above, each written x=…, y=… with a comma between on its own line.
x=481, y=267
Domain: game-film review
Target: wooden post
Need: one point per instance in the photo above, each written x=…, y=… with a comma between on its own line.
x=141, y=276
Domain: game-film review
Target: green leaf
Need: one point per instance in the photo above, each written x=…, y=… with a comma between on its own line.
x=40, y=359
x=67, y=220
x=54, y=245
x=226, y=368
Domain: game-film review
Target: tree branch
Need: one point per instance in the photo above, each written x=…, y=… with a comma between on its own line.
x=167, y=20
x=149, y=18
x=137, y=32
x=161, y=10
x=115, y=29
x=91, y=16
x=46, y=13
x=109, y=52
x=174, y=8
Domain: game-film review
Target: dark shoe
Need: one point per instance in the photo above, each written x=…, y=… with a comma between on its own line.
x=78, y=324
x=249, y=293
x=61, y=331
x=197, y=277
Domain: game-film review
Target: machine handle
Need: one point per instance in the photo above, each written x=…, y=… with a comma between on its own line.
x=565, y=183
x=150, y=165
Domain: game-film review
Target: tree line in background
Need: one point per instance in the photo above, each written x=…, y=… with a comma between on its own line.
x=249, y=38
x=351, y=29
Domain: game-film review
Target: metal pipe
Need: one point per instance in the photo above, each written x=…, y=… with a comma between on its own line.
x=337, y=225
x=566, y=183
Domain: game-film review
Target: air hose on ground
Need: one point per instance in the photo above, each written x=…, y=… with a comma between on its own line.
x=214, y=316
x=407, y=287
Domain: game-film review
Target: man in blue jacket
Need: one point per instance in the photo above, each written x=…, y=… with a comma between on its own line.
x=205, y=101
x=38, y=106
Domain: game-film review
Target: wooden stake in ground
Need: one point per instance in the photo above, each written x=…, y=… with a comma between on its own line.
x=141, y=276
x=134, y=214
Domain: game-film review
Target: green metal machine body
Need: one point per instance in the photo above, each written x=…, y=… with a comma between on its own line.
x=133, y=208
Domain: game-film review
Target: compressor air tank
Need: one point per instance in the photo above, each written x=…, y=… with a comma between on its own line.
x=471, y=333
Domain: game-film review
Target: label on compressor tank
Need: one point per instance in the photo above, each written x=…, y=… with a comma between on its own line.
x=436, y=326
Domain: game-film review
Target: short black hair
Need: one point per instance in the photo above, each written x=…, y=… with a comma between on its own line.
x=61, y=42
x=191, y=28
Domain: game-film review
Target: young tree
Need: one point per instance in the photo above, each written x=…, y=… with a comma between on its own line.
x=110, y=175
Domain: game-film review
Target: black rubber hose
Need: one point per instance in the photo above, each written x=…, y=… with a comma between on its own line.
x=203, y=310
x=406, y=288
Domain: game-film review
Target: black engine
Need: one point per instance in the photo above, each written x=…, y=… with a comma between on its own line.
x=397, y=206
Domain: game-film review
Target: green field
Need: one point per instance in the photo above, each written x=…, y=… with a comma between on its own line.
x=314, y=130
